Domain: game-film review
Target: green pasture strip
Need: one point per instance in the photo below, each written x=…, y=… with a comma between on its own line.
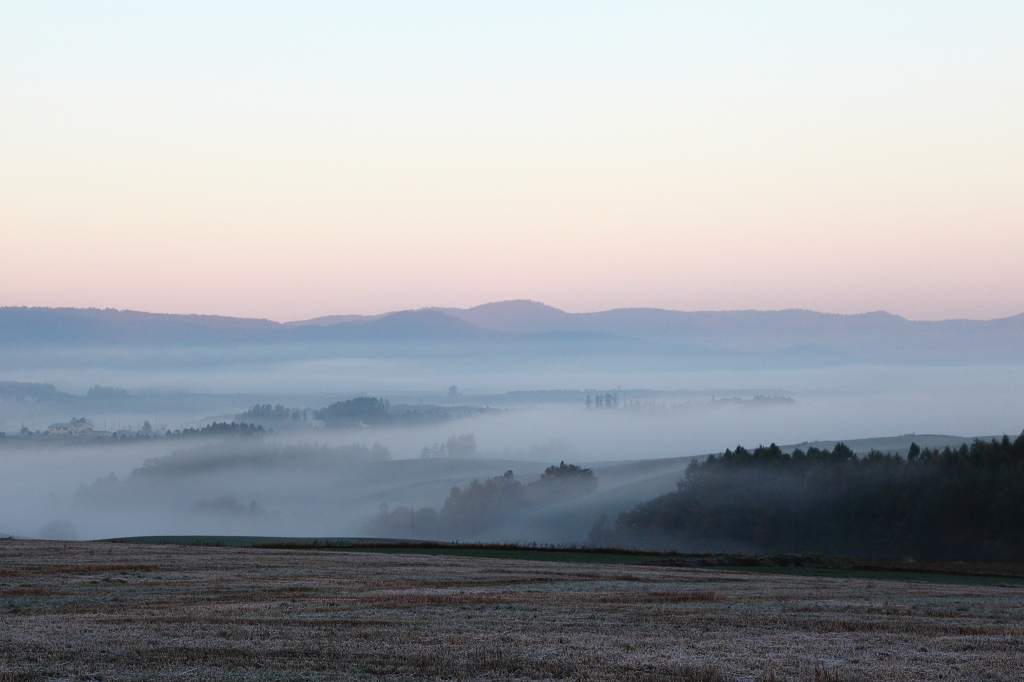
x=567, y=556
x=868, y=574
x=556, y=554
x=362, y=545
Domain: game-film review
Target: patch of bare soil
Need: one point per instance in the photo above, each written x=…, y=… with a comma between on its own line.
x=104, y=611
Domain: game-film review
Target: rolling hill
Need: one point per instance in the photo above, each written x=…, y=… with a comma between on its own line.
x=525, y=327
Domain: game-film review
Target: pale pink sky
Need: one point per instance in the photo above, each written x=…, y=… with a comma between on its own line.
x=289, y=163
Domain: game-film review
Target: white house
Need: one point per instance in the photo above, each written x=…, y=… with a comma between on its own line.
x=73, y=428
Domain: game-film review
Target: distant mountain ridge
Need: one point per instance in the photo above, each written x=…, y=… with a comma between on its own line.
x=873, y=336
x=745, y=329
x=94, y=326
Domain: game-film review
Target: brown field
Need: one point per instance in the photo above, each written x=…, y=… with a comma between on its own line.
x=103, y=611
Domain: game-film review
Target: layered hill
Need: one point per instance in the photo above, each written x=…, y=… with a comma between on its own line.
x=760, y=331
x=525, y=326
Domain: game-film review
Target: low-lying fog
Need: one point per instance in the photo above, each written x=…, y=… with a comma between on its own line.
x=315, y=483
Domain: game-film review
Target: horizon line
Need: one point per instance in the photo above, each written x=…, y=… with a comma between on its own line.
x=446, y=309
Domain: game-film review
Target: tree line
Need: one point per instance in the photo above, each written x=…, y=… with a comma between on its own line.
x=355, y=411
x=362, y=410
x=954, y=504
x=269, y=412
x=147, y=432
x=458, y=447
x=483, y=506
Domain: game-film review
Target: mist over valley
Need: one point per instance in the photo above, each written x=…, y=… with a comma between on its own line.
x=363, y=426
x=652, y=342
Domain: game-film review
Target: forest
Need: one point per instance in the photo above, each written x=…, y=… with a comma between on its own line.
x=272, y=413
x=357, y=410
x=483, y=506
x=361, y=411
x=954, y=504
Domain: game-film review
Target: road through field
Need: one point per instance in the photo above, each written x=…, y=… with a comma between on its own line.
x=92, y=611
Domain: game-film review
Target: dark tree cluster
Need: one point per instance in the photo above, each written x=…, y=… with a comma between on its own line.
x=222, y=429
x=98, y=392
x=459, y=447
x=21, y=390
x=268, y=412
x=355, y=411
x=606, y=400
x=482, y=506
x=953, y=504
x=147, y=432
x=562, y=482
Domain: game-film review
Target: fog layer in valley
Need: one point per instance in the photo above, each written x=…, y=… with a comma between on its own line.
x=623, y=395
x=313, y=482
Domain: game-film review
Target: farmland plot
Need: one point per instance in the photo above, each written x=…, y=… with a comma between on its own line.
x=91, y=611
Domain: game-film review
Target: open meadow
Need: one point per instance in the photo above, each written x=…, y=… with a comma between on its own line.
x=95, y=610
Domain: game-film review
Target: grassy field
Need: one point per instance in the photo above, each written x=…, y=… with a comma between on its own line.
x=119, y=611
x=479, y=550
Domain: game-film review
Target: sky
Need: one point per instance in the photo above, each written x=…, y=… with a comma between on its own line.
x=290, y=160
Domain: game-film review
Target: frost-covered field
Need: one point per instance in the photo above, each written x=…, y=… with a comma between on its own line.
x=90, y=611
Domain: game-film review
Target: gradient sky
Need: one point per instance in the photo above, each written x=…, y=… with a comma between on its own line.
x=288, y=160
